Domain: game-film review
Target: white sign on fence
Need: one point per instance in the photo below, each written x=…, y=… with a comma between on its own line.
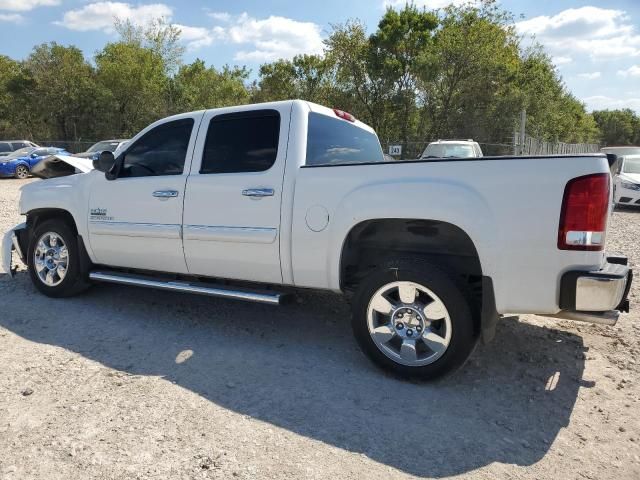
x=395, y=150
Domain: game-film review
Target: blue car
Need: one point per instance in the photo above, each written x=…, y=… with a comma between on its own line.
x=19, y=163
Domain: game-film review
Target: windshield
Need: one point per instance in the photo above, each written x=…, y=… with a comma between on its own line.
x=443, y=150
x=631, y=165
x=23, y=152
x=108, y=146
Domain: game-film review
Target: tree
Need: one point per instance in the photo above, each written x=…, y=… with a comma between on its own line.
x=13, y=85
x=159, y=36
x=468, y=83
x=198, y=87
x=399, y=50
x=60, y=92
x=618, y=127
x=308, y=77
x=359, y=89
x=456, y=72
x=553, y=114
x=135, y=84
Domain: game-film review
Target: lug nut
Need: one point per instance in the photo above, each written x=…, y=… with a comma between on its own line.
x=418, y=329
x=409, y=332
x=400, y=315
x=399, y=326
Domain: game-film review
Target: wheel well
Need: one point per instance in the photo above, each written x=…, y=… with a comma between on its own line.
x=373, y=242
x=36, y=217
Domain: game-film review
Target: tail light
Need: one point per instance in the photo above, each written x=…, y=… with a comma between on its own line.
x=344, y=115
x=585, y=207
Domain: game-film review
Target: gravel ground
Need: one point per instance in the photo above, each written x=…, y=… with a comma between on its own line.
x=129, y=383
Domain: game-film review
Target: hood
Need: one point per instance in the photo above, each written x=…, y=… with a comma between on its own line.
x=61, y=165
x=91, y=155
x=630, y=177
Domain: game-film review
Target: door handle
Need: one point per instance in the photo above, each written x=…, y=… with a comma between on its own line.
x=258, y=192
x=165, y=193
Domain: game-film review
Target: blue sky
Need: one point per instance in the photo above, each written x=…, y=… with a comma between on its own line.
x=596, y=43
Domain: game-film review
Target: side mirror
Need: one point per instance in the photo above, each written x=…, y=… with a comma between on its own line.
x=34, y=155
x=104, y=163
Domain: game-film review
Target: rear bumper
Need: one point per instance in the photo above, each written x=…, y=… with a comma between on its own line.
x=597, y=296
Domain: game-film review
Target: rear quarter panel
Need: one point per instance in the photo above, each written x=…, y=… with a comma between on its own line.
x=509, y=207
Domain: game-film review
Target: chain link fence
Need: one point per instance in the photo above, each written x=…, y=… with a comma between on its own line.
x=530, y=146
x=413, y=150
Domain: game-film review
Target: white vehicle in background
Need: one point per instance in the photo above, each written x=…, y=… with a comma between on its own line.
x=254, y=201
x=104, y=146
x=622, y=151
x=452, y=149
x=627, y=181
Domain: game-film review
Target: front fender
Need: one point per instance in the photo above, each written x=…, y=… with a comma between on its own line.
x=8, y=170
x=65, y=193
x=9, y=243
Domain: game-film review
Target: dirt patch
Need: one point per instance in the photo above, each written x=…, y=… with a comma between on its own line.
x=128, y=383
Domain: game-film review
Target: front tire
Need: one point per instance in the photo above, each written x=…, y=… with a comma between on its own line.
x=54, y=260
x=413, y=319
x=22, y=172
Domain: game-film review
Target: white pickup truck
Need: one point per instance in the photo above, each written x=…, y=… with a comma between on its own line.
x=249, y=202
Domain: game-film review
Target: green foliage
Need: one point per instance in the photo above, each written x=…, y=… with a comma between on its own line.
x=306, y=76
x=197, y=87
x=618, y=127
x=399, y=51
x=469, y=85
x=54, y=92
x=552, y=113
x=161, y=37
x=135, y=85
x=13, y=85
x=357, y=84
x=459, y=72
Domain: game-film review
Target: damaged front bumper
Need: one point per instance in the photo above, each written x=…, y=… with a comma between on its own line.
x=10, y=242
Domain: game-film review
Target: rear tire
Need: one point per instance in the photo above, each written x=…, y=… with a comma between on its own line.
x=423, y=335
x=54, y=260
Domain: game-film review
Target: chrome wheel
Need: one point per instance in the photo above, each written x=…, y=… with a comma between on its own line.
x=51, y=259
x=409, y=323
x=22, y=172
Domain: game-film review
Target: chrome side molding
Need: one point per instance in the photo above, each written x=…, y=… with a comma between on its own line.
x=269, y=298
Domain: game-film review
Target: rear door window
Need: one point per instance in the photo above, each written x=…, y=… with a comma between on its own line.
x=333, y=141
x=5, y=147
x=241, y=142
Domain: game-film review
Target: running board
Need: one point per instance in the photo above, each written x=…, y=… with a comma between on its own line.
x=199, y=288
